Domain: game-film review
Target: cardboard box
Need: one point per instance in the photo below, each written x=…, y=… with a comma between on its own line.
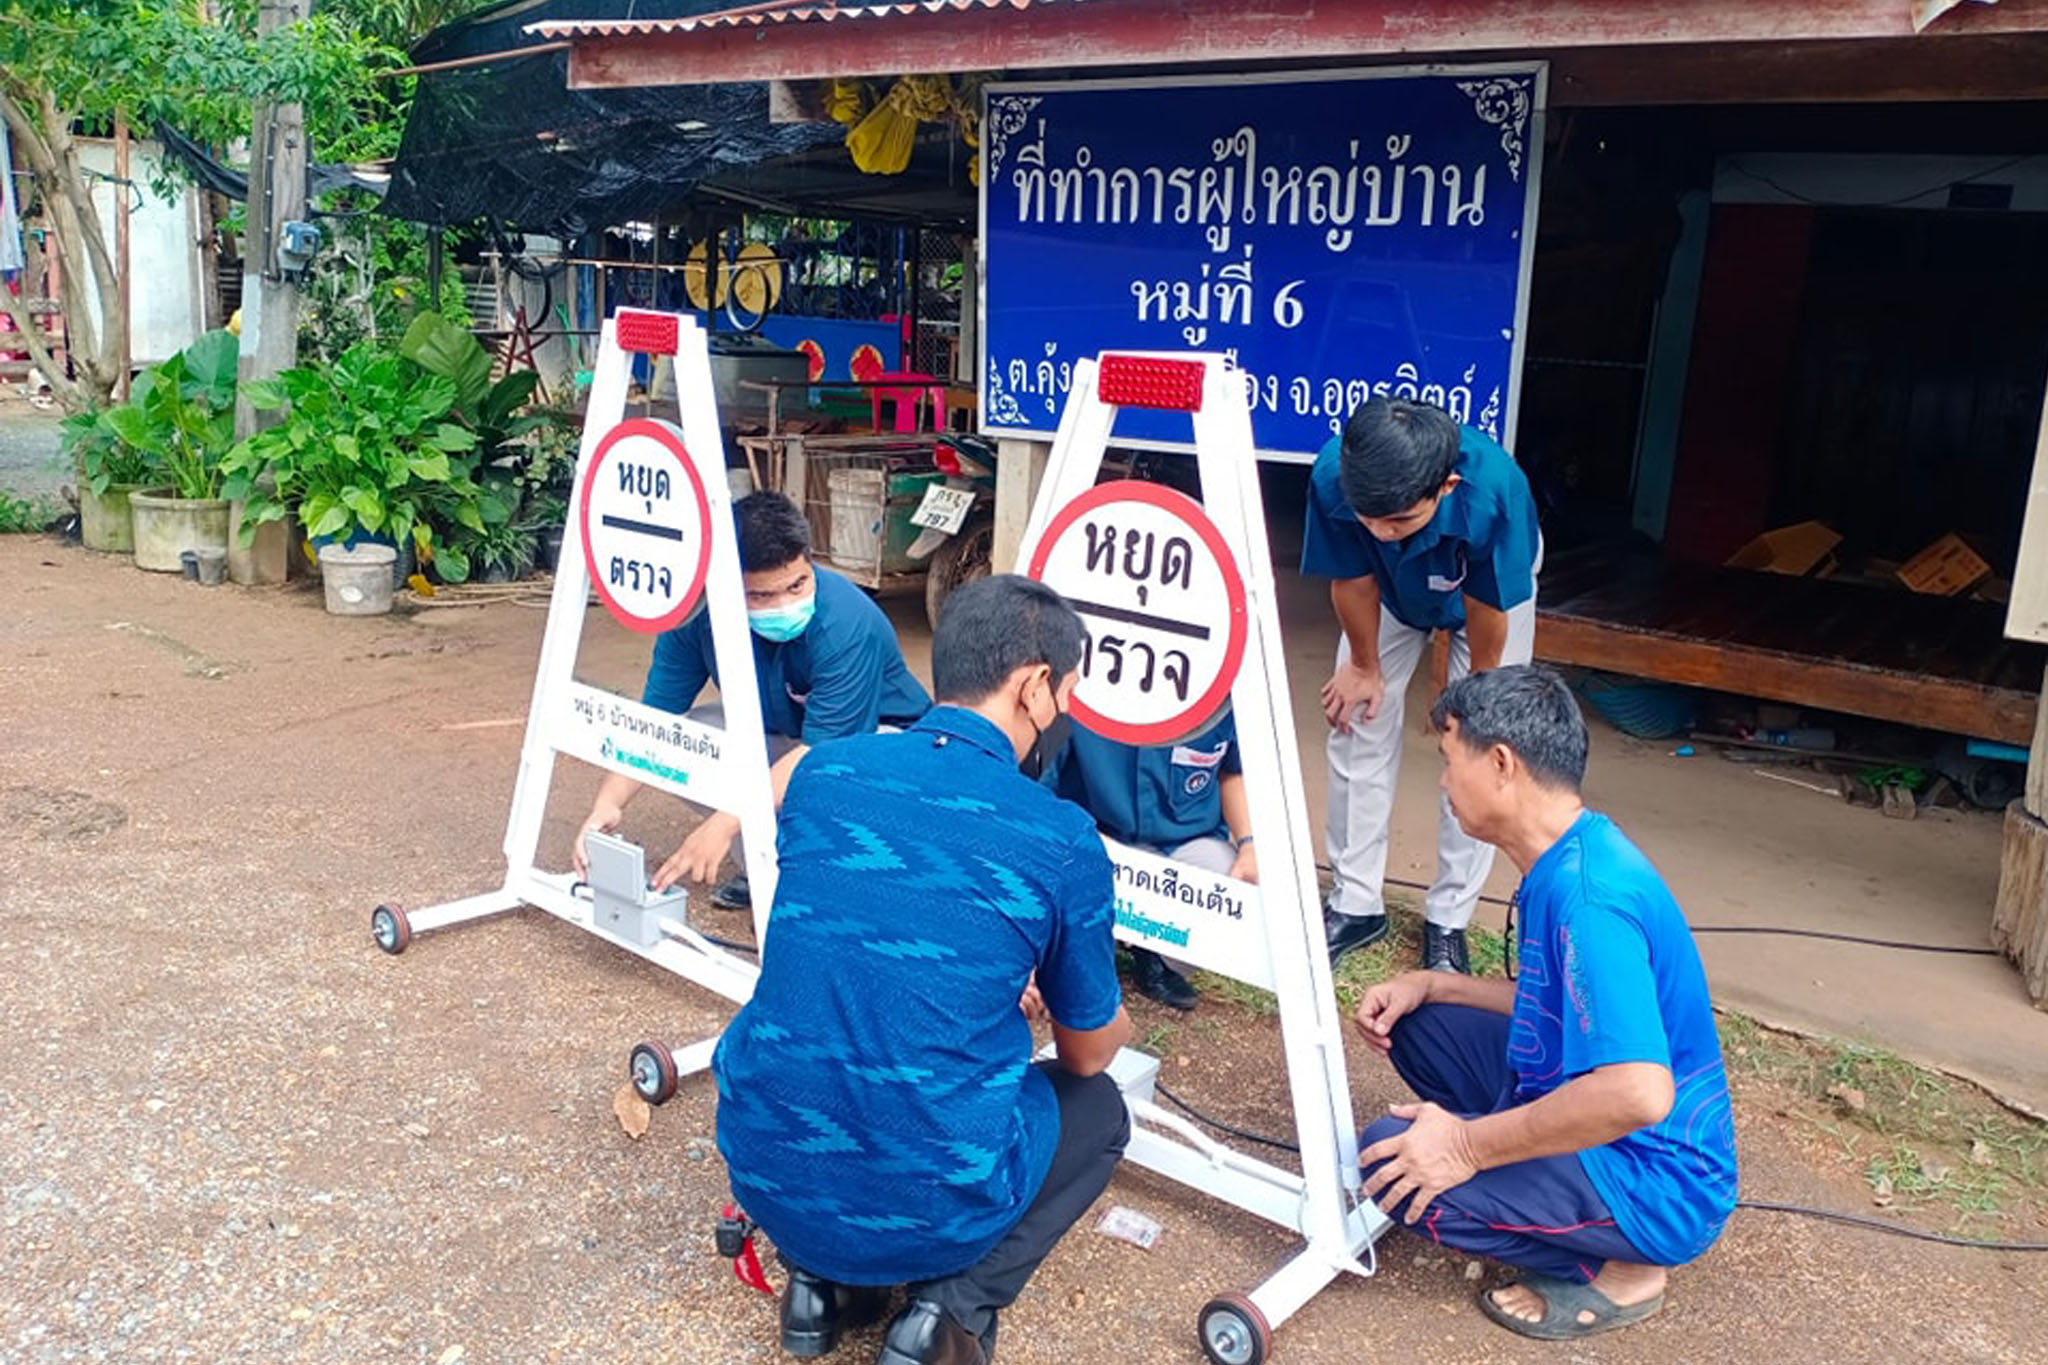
x=1945, y=568
x=1799, y=550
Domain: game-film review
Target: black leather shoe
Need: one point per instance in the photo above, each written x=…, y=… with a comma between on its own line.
x=1443, y=950
x=925, y=1334
x=813, y=1311
x=1157, y=981
x=1348, y=933
x=733, y=895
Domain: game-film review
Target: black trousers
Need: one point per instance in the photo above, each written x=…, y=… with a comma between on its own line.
x=1094, y=1126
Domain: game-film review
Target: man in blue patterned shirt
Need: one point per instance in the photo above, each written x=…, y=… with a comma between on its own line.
x=877, y=1104
x=1573, y=1122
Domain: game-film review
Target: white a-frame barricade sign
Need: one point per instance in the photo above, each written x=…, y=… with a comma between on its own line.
x=1182, y=619
x=650, y=528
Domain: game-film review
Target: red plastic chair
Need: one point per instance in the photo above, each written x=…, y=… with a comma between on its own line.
x=912, y=395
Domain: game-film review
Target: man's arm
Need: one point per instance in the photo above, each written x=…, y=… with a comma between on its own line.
x=1486, y=630
x=1440, y=1151
x=1592, y=1110
x=704, y=850
x=1088, y=1052
x=1358, y=683
x=1237, y=815
x=1385, y=1004
x=675, y=675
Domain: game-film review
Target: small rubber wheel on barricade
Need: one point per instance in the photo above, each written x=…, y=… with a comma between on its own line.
x=653, y=1069
x=1234, y=1331
x=391, y=929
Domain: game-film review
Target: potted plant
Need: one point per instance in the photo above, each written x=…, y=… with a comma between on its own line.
x=180, y=415
x=367, y=457
x=108, y=470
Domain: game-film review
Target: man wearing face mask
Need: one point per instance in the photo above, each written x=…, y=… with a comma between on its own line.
x=878, y=1110
x=826, y=660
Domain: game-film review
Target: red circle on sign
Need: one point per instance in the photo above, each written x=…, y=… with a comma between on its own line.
x=1180, y=505
x=670, y=440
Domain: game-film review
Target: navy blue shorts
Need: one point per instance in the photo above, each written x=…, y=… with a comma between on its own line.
x=1543, y=1215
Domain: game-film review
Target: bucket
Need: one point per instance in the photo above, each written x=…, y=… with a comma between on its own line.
x=857, y=509
x=357, y=578
x=739, y=482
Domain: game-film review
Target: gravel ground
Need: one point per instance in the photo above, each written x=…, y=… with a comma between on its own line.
x=230, y=1130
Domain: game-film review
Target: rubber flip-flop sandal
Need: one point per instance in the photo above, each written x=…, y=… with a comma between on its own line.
x=1563, y=1301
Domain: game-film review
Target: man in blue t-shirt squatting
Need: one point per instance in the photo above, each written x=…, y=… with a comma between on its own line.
x=826, y=663
x=1423, y=526
x=1573, y=1121
x=878, y=1109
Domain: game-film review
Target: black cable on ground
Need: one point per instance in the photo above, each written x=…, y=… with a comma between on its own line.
x=1854, y=1220
x=1858, y=1220
x=1763, y=929
x=1199, y=1117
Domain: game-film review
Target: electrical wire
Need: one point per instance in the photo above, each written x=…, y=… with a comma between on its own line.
x=1199, y=1117
x=1856, y=1220
x=1958, y=949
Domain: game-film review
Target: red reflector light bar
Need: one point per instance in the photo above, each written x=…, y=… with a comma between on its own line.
x=647, y=333
x=1135, y=381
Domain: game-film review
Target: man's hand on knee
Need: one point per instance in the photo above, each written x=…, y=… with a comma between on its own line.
x=1432, y=1155
x=1385, y=1005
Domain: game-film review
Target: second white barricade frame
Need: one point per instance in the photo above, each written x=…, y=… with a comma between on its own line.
x=1199, y=601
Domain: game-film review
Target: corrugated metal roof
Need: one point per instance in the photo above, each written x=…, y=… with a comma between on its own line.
x=773, y=12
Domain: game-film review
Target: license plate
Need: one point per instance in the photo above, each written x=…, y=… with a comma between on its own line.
x=943, y=508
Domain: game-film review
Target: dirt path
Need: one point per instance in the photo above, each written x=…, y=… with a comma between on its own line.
x=230, y=1130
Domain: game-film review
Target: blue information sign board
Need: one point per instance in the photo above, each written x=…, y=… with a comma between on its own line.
x=1339, y=236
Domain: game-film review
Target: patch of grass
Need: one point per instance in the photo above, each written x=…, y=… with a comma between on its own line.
x=1918, y=1138
x=24, y=515
x=1159, y=1039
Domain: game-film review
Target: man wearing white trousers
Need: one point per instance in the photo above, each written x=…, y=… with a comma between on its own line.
x=1423, y=525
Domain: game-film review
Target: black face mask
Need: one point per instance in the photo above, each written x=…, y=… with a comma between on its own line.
x=1046, y=748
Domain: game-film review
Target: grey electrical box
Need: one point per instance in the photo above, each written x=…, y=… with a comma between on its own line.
x=621, y=903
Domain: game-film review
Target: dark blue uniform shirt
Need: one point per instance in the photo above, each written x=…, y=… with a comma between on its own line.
x=844, y=675
x=1482, y=540
x=1157, y=796
x=877, y=1108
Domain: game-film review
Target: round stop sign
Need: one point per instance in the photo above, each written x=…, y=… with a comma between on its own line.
x=1163, y=602
x=646, y=525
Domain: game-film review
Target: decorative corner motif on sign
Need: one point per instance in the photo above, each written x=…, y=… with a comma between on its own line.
x=1506, y=101
x=1007, y=115
x=1002, y=405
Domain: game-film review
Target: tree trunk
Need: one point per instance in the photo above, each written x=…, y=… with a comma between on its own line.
x=92, y=345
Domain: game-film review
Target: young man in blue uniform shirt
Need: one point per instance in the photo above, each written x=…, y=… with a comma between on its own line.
x=1573, y=1121
x=878, y=1109
x=1424, y=526
x=1183, y=800
x=826, y=662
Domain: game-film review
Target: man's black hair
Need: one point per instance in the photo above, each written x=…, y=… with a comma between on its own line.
x=1531, y=710
x=1395, y=453
x=772, y=531
x=990, y=628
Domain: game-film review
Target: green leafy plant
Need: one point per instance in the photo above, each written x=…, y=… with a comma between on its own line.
x=180, y=416
x=101, y=457
x=525, y=455
x=20, y=515
x=367, y=449
x=502, y=550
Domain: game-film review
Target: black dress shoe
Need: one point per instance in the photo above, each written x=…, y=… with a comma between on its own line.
x=733, y=895
x=1347, y=933
x=813, y=1311
x=1443, y=950
x=925, y=1334
x=1157, y=981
